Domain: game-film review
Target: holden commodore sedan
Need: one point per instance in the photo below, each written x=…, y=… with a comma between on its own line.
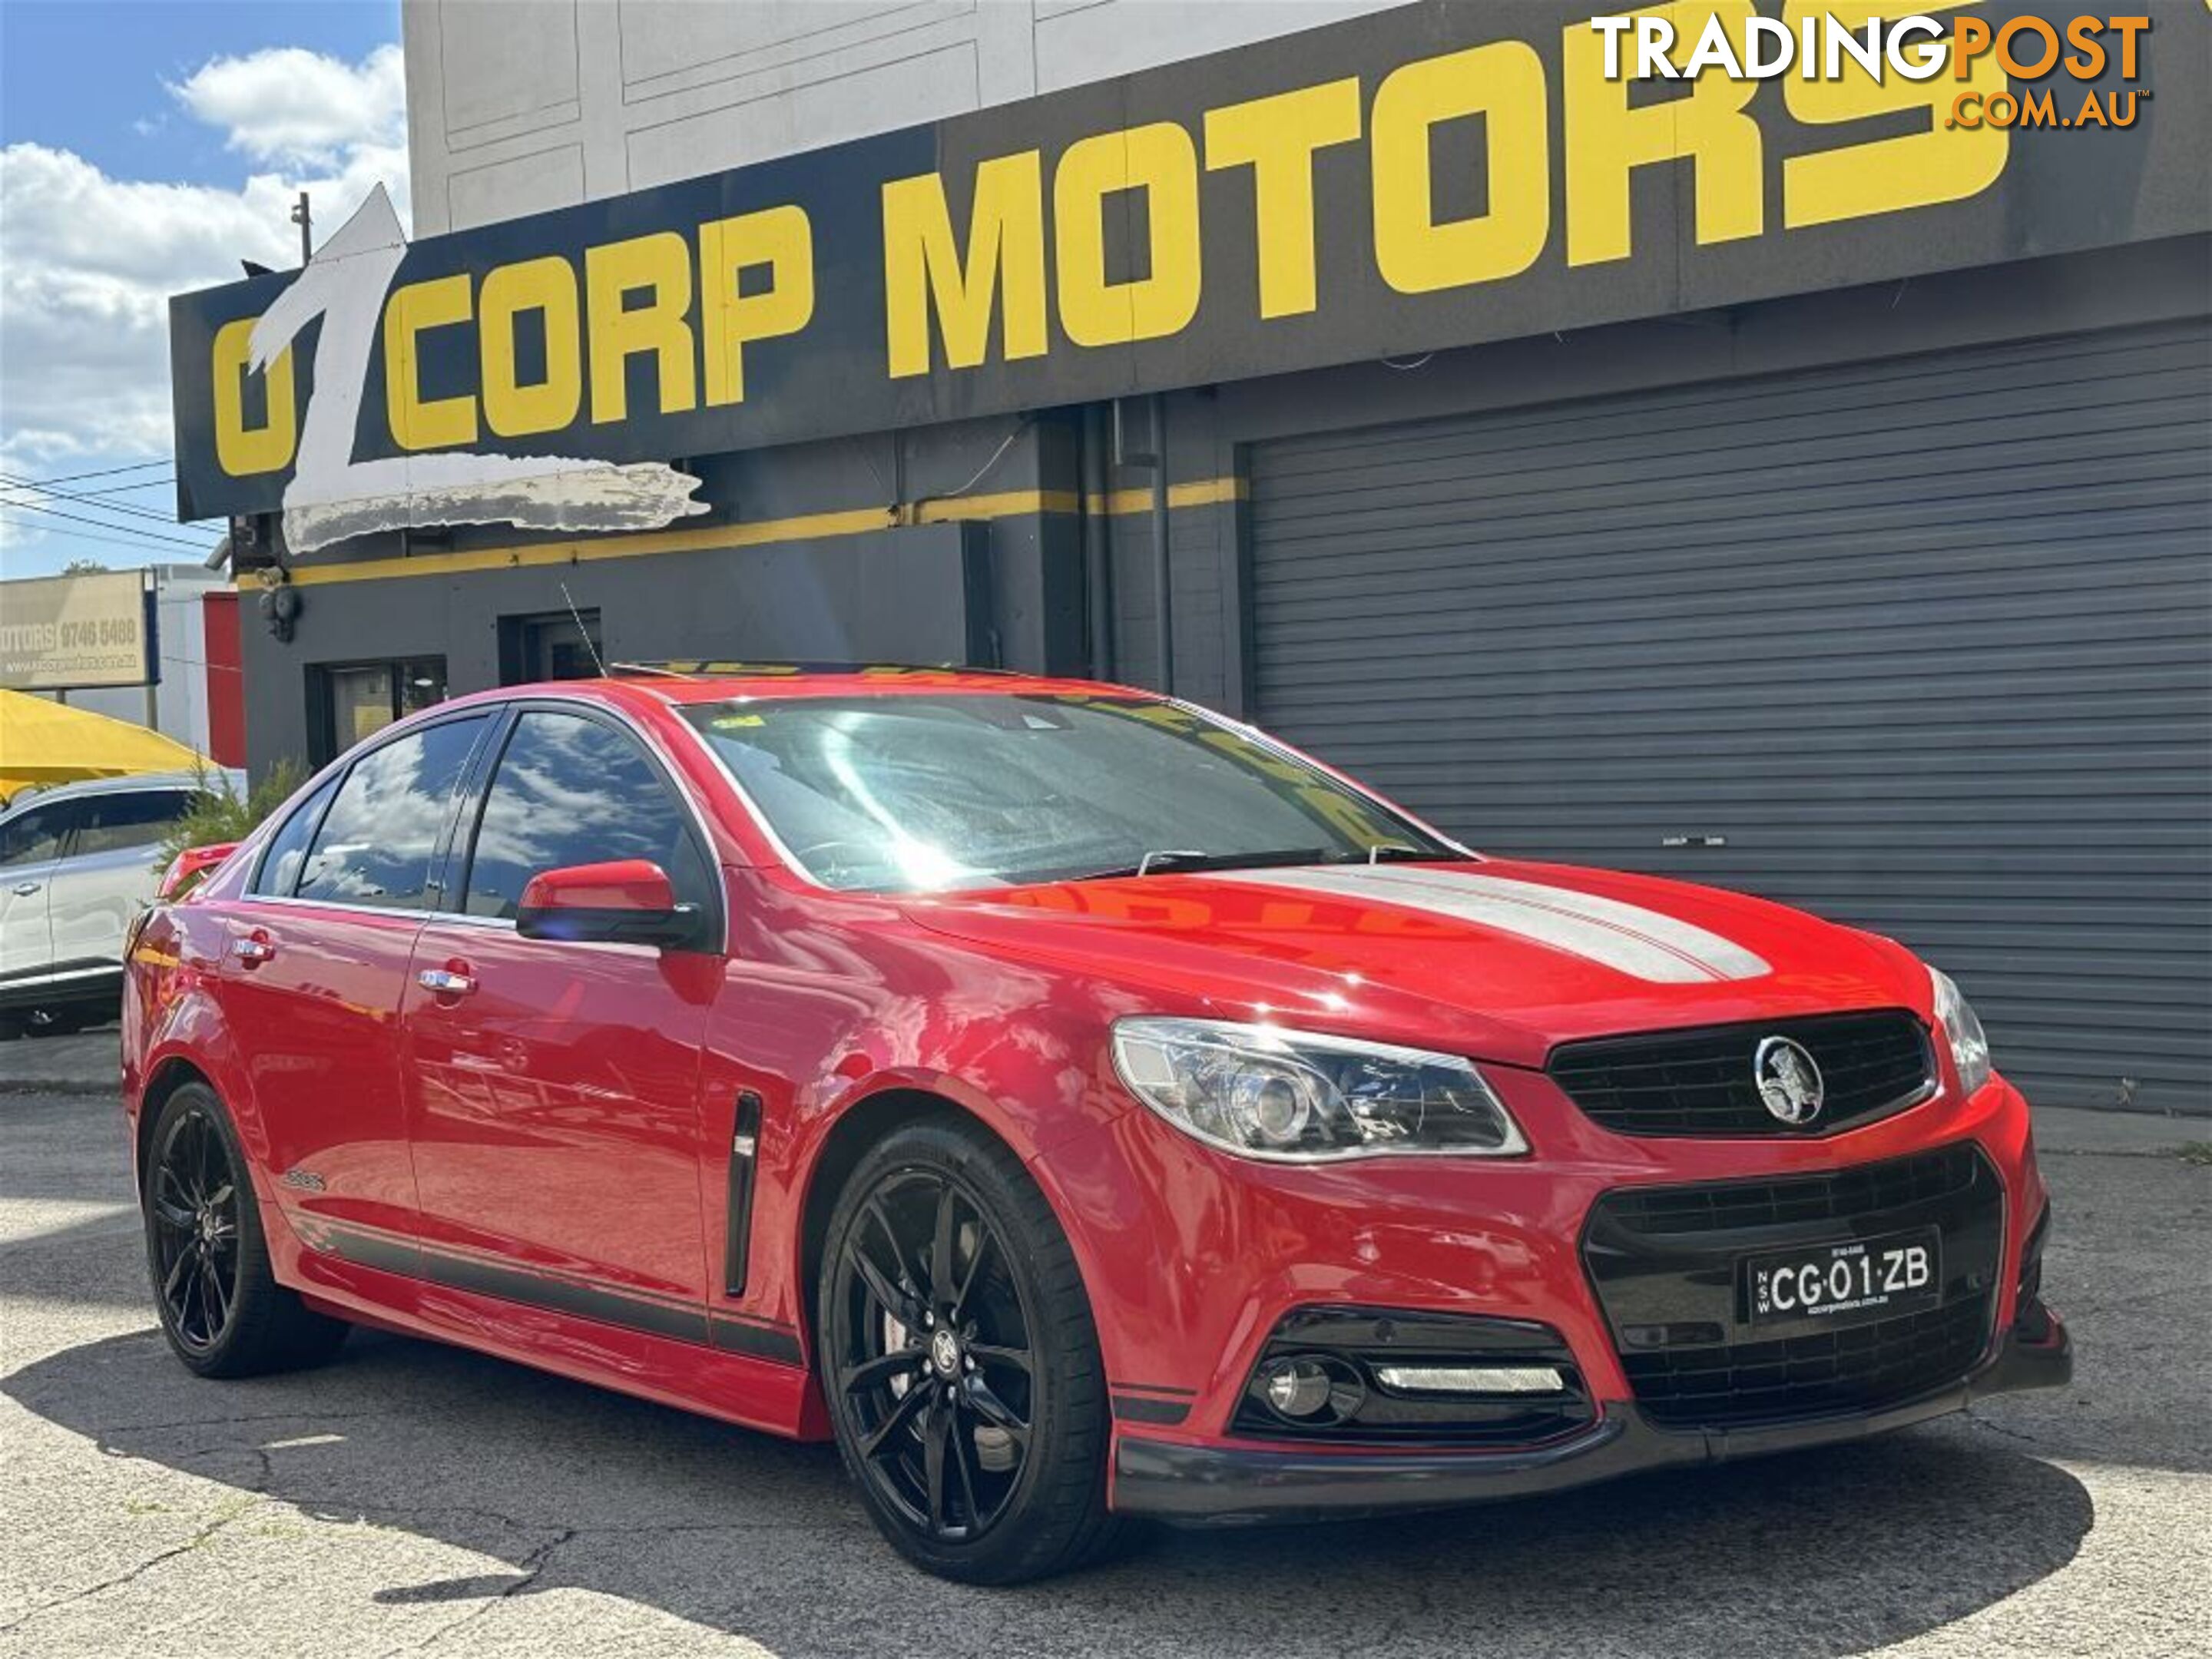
x=1079, y=1106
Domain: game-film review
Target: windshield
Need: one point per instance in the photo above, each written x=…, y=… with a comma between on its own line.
x=914, y=792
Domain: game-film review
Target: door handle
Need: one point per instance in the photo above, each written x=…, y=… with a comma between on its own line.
x=446, y=981
x=25, y=888
x=254, y=949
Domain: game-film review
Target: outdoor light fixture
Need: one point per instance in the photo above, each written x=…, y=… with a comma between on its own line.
x=1470, y=1379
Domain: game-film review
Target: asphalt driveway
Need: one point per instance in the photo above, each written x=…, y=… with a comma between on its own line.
x=415, y=1496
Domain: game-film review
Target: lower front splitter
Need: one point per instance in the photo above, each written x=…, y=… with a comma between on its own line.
x=1230, y=1486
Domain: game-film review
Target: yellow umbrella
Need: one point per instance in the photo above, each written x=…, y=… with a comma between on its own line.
x=43, y=742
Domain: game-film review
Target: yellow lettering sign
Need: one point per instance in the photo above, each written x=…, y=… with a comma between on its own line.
x=659, y=265
x=1913, y=169
x=924, y=272
x=781, y=239
x=1608, y=139
x=439, y=423
x=1276, y=138
x=242, y=451
x=1160, y=160
x=548, y=287
x=1505, y=83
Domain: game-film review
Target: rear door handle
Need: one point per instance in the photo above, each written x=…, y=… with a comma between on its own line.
x=25, y=888
x=254, y=949
x=446, y=981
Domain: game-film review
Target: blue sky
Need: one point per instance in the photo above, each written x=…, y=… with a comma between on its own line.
x=145, y=146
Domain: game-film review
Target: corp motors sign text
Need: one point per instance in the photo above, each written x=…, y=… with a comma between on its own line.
x=1430, y=177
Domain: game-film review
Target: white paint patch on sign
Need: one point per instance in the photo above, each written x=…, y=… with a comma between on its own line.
x=332, y=496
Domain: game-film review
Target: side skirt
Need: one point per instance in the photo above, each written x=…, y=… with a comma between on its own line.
x=414, y=1291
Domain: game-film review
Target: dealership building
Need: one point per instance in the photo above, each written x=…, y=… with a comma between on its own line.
x=1793, y=485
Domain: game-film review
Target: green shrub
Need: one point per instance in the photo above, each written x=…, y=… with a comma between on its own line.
x=221, y=813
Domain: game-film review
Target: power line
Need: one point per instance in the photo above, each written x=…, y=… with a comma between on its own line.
x=81, y=536
x=112, y=471
x=108, y=524
x=128, y=508
x=162, y=483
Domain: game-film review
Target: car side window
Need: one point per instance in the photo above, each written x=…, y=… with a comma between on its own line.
x=287, y=847
x=37, y=835
x=128, y=818
x=569, y=790
x=375, y=844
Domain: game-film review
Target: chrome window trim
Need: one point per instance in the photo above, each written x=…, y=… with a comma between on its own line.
x=516, y=706
x=350, y=762
x=1220, y=723
x=522, y=705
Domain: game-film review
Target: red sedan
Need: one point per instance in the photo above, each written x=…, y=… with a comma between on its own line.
x=1079, y=1106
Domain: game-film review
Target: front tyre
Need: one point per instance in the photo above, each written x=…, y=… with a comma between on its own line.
x=961, y=1363
x=221, y=1307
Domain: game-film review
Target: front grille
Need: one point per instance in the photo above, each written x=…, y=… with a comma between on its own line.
x=1866, y=1190
x=1849, y=1369
x=1667, y=1266
x=1700, y=1082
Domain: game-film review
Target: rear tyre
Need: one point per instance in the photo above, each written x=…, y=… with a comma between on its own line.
x=961, y=1363
x=221, y=1307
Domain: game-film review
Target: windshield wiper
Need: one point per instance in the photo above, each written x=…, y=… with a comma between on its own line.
x=1388, y=851
x=1174, y=859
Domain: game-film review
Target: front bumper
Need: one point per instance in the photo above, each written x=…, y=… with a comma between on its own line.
x=1227, y=1485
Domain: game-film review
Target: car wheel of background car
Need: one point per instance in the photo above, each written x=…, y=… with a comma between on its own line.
x=961, y=1362
x=61, y=1021
x=221, y=1308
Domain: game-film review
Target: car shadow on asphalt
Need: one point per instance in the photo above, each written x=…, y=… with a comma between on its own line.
x=563, y=1486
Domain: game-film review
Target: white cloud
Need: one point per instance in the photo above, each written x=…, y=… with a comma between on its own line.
x=91, y=261
x=300, y=108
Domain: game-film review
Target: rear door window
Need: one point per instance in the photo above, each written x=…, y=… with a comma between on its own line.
x=570, y=790
x=287, y=847
x=36, y=835
x=136, y=817
x=375, y=845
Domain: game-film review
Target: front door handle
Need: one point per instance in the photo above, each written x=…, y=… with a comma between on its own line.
x=446, y=981
x=254, y=949
x=25, y=888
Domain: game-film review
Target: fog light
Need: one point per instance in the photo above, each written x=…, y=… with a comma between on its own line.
x=1297, y=1388
x=1471, y=1379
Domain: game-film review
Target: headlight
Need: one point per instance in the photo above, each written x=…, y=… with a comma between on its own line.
x=1970, y=1044
x=1263, y=1092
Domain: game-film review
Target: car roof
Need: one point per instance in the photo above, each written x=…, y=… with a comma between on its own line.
x=212, y=779
x=685, y=682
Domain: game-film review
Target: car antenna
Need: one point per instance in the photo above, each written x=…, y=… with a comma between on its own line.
x=590, y=644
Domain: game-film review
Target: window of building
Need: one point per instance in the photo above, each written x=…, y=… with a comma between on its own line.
x=572, y=791
x=555, y=646
x=361, y=699
x=375, y=844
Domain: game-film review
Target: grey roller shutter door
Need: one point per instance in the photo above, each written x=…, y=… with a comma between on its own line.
x=1927, y=640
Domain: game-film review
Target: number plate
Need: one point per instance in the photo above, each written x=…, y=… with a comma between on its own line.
x=1868, y=1279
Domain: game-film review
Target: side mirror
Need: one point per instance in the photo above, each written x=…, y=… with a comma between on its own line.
x=626, y=902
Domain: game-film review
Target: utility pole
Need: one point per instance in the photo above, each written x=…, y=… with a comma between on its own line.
x=303, y=216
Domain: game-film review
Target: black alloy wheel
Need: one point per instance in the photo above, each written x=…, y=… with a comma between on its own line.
x=192, y=1206
x=221, y=1306
x=959, y=1355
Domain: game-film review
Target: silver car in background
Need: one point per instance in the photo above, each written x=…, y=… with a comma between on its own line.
x=78, y=863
